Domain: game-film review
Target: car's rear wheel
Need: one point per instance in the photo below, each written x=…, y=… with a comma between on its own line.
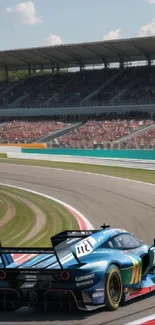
x=113, y=288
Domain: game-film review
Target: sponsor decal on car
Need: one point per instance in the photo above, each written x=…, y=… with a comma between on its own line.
x=85, y=247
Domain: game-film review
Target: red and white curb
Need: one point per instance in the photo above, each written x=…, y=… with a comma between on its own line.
x=149, y=320
x=83, y=222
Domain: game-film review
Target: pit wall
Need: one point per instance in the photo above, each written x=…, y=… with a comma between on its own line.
x=124, y=154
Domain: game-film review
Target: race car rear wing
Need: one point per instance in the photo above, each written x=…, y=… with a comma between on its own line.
x=6, y=253
x=55, y=240
x=27, y=250
x=70, y=234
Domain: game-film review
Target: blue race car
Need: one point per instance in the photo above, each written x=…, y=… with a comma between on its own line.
x=89, y=269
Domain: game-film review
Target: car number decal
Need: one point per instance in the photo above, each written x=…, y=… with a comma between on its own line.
x=85, y=247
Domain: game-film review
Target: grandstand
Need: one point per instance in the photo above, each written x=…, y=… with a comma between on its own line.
x=108, y=87
x=94, y=134
x=110, y=134
x=82, y=76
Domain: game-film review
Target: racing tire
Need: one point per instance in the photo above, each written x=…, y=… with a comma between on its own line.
x=113, y=288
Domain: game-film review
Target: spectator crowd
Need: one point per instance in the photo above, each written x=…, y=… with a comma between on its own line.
x=145, y=140
x=106, y=134
x=102, y=134
x=27, y=132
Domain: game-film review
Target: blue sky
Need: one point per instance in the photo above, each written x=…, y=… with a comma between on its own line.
x=49, y=22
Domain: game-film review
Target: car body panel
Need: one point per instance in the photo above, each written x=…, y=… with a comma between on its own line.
x=83, y=256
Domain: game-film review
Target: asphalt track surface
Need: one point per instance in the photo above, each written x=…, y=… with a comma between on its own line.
x=120, y=203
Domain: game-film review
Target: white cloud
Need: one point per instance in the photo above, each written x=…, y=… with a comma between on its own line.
x=113, y=34
x=8, y=9
x=147, y=30
x=151, y=1
x=26, y=12
x=53, y=40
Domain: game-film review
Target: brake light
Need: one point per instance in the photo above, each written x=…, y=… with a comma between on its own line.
x=65, y=275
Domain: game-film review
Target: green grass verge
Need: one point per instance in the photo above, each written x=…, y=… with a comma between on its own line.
x=3, y=155
x=57, y=219
x=20, y=225
x=3, y=206
x=123, y=172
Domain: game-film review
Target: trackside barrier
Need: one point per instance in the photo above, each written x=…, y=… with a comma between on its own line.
x=5, y=149
x=34, y=145
x=121, y=154
x=26, y=145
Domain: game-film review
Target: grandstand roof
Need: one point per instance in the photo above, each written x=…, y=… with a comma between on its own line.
x=73, y=55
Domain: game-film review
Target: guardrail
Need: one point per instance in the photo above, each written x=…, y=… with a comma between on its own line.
x=130, y=163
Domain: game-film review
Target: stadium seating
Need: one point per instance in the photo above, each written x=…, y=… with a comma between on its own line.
x=82, y=86
x=49, y=89
x=119, y=84
x=23, y=89
x=4, y=87
x=145, y=140
x=101, y=133
x=134, y=84
x=96, y=87
x=67, y=88
x=27, y=132
x=106, y=134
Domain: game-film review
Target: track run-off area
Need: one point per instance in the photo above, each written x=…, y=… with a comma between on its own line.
x=29, y=218
x=100, y=198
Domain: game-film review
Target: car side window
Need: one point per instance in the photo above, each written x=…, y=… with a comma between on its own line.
x=125, y=241
x=108, y=244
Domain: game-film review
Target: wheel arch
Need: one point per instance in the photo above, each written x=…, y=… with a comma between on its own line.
x=111, y=304
x=116, y=263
